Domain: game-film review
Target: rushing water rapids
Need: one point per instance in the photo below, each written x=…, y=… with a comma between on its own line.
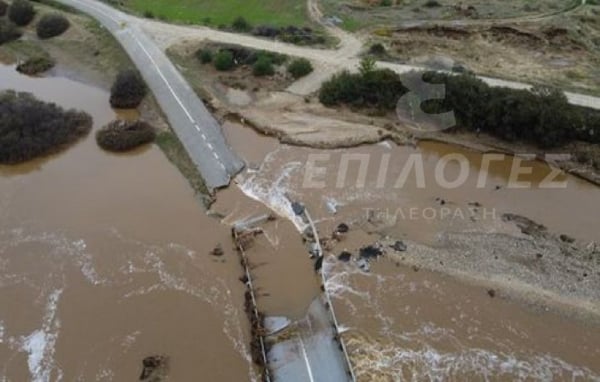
x=104, y=261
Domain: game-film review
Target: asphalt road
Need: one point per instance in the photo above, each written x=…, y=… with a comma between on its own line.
x=196, y=128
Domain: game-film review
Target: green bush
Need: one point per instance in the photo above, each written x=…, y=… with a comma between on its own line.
x=223, y=60
x=299, y=68
x=35, y=65
x=148, y=14
x=263, y=67
x=3, y=8
x=128, y=90
x=119, y=136
x=8, y=31
x=21, y=12
x=204, y=55
x=241, y=25
x=52, y=25
x=30, y=128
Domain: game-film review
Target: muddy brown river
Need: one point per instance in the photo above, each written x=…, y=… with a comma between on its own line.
x=104, y=261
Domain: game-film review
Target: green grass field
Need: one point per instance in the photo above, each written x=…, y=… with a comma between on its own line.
x=223, y=12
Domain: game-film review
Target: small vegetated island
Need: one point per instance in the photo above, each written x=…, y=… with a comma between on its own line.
x=30, y=128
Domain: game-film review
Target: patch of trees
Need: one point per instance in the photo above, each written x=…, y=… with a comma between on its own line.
x=35, y=65
x=3, y=8
x=542, y=115
x=30, y=128
x=291, y=34
x=230, y=57
x=21, y=12
x=300, y=67
x=119, y=136
x=128, y=90
x=52, y=25
x=8, y=31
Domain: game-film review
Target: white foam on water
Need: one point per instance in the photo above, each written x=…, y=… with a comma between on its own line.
x=40, y=343
x=274, y=193
x=2, y=330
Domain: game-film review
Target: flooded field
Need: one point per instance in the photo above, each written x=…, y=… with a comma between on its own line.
x=104, y=260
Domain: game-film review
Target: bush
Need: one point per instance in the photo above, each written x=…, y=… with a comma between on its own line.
x=128, y=90
x=21, y=12
x=35, y=65
x=263, y=67
x=30, y=128
x=377, y=49
x=121, y=135
x=241, y=25
x=224, y=60
x=8, y=31
x=299, y=68
x=52, y=25
x=3, y=8
x=148, y=14
x=204, y=55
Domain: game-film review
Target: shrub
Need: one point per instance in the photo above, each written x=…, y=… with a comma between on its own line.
x=148, y=14
x=224, y=60
x=241, y=25
x=377, y=49
x=3, y=7
x=30, y=128
x=35, y=65
x=52, y=25
x=21, y=12
x=263, y=67
x=122, y=135
x=299, y=68
x=204, y=55
x=8, y=31
x=128, y=90
x=432, y=4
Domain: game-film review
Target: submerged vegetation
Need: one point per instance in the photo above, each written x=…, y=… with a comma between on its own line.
x=128, y=90
x=122, y=135
x=542, y=115
x=30, y=128
x=35, y=65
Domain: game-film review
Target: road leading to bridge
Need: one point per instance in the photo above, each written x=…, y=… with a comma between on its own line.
x=196, y=128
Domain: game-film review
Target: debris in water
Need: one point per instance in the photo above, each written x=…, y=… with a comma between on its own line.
x=370, y=252
x=342, y=228
x=491, y=293
x=567, y=239
x=217, y=251
x=298, y=208
x=155, y=368
x=345, y=256
x=363, y=264
x=399, y=246
x=319, y=263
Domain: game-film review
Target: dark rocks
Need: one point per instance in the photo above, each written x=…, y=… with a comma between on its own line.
x=399, y=246
x=527, y=226
x=319, y=263
x=345, y=256
x=491, y=293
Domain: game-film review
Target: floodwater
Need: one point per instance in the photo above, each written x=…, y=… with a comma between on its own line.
x=403, y=324
x=104, y=261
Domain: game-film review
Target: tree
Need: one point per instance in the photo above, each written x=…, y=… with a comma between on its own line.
x=3, y=7
x=128, y=90
x=52, y=25
x=204, y=55
x=121, y=135
x=224, y=60
x=263, y=67
x=21, y=12
x=8, y=31
x=299, y=68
